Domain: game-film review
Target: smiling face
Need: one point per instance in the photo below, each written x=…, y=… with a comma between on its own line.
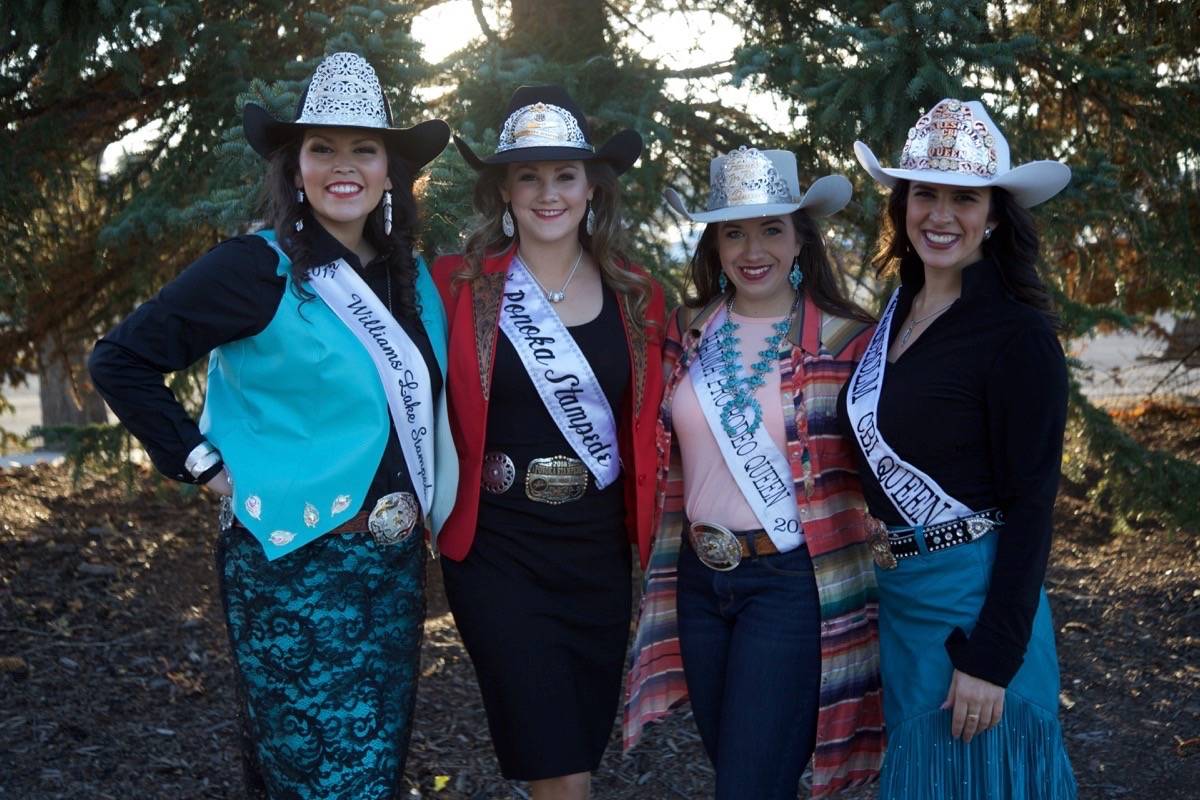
x=946, y=224
x=548, y=199
x=344, y=173
x=756, y=256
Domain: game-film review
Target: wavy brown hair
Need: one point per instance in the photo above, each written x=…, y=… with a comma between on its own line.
x=820, y=281
x=606, y=244
x=1013, y=247
x=281, y=212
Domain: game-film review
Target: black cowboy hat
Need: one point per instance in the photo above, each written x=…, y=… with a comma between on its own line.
x=553, y=129
x=344, y=92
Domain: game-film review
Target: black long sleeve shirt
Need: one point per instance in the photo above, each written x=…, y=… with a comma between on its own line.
x=231, y=292
x=978, y=403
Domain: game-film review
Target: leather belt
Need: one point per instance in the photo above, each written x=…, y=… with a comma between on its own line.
x=891, y=544
x=554, y=480
x=721, y=549
x=392, y=520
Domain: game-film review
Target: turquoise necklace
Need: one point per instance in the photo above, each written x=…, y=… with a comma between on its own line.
x=742, y=388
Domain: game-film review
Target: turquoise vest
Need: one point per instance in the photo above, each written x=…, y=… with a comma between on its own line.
x=301, y=420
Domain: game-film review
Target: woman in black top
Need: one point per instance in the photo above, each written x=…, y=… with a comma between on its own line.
x=958, y=408
x=320, y=556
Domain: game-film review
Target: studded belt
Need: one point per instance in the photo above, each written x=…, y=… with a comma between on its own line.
x=891, y=544
x=721, y=549
x=554, y=480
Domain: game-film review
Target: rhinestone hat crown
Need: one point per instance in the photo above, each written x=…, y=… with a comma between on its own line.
x=747, y=178
x=949, y=138
x=345, y=91
x=541, y=125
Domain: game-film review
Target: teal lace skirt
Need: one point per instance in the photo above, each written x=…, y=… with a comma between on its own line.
x=1022, y=758
x=327, y=645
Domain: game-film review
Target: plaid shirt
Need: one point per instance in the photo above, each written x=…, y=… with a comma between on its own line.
x=850, y=739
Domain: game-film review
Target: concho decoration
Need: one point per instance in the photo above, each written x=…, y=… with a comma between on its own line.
x=311, y=515
x=340, y=504
x=950, y=139
x=345, y=91
x=254, y=506
x=747, y=178
x=541, y=125
x=280, y=538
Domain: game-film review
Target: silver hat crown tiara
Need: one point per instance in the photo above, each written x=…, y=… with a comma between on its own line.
x=950, y=139
x=541, y=125
x=345, y=92
x=747, y=177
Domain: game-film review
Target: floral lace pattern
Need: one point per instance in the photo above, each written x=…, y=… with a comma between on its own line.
x=541, y=125
x=345, y=91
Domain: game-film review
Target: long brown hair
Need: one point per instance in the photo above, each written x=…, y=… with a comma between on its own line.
x=606, y=243
x=281, y=211
x=820, y=282
x=1013, y=247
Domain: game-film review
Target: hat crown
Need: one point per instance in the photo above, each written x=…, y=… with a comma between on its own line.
x=542, y=125
x=749, y=177
x=956, y=137
x=345, y=91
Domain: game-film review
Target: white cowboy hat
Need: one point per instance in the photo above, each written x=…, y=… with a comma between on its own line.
x=748, y=183
x=957, y=144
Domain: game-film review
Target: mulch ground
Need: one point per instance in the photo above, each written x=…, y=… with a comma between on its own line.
x=115, y=680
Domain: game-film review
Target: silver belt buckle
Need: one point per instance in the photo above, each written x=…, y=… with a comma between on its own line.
x=555, y=480
x=393, y=518
x=715, y=546
x=881, y=547
x=498, y=474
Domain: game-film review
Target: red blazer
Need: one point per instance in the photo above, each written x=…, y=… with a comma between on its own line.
x=473, y=315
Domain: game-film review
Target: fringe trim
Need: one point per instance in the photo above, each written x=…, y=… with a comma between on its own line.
x=1022, y=758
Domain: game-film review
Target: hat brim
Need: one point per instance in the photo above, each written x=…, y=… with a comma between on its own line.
x=621, y=152
x=1029, y=184
x=418, y=145
x=827, y=196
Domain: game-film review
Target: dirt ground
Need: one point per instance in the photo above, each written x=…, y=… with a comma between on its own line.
x=115, y=680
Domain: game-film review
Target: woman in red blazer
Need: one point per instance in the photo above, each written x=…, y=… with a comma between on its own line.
x=554, y=424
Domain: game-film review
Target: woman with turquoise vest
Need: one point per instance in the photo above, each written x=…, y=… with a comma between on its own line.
x=324, y=430
x=958, y=409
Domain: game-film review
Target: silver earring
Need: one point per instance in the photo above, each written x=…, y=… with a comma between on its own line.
x=506, y=223
x=590, y=225
x=796, y=276
x=723, y=282
x=987, y=233
x=300, y=196
x=387, y=213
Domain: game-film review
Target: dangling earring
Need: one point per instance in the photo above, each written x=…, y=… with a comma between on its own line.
x=299, y=226
x=723, y=282
x=590, y=225
x=387, y=213
x=506, y=223
x=796, y=275
x=987, y=234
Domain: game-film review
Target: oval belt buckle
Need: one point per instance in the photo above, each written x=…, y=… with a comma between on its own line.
x=715, y=545
x=881, y=548
x=499, y=472
x=393, y=518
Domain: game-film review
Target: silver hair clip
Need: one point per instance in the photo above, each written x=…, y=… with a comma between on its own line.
x=541, y=125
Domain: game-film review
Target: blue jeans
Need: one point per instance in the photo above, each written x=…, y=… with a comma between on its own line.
x=751, y=645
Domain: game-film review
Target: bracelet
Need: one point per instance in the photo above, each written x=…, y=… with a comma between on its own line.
x=202, y=458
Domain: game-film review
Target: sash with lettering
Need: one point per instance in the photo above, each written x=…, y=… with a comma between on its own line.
x=402, y=369
x=915, y=495
x=561, y=374
x=761, y=471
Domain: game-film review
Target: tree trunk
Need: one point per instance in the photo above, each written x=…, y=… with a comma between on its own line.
x=66, y=391
x=559, y=30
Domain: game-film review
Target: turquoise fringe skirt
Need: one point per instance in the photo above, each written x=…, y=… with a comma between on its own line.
x=1023, y=758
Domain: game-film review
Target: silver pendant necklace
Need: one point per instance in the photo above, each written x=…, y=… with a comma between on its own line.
x=561, y=294
x=908, y=329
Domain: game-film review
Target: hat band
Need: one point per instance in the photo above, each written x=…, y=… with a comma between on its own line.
x=542, y=125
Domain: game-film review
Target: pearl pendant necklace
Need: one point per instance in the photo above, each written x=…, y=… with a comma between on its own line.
x=561, y=294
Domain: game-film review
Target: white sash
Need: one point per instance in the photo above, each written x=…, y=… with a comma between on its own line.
x=762, y=473
x=915, y=495
x=561, y=374
x=401, y=367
